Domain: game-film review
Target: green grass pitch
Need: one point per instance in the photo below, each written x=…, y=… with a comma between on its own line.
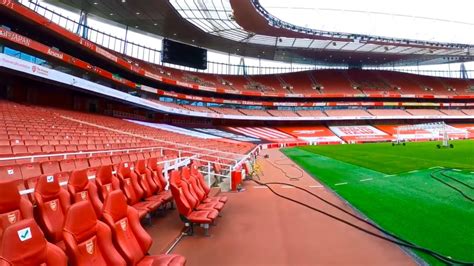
x=392, y=186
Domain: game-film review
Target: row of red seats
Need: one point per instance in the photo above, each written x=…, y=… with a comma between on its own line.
x=116, y=239
x=193, y=202
x=143, y=186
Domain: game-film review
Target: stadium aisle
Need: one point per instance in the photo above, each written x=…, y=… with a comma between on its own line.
x=256, y=223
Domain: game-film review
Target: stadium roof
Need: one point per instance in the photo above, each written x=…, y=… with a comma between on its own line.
x=246, y=28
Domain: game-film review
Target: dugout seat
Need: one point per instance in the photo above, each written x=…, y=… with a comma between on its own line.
x=13, y=207
x=52, y=203
x=148, y=183
x=130, y=239
x=186, y=208
x=23, y=243
x=132, y=190
x=194, y=170
x=106, y=182
x=88, y=241
x=82, y=189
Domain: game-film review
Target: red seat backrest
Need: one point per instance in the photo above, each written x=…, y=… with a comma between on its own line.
x=105, y=160
x=81, y=164
x=82, y=189
x=106, y=181
x=158, y=173
x=23, y=243
x=184, y=207
x=131, y=240
x=88, y=241
x=67, y=165
x=52, y=202
x=10, y=172
x=192, y=181
x=13, y=207
x=129, y=183
x=200, y=178
x=145, y=178
x=50, y=167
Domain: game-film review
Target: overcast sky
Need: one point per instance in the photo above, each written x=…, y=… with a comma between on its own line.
x=444, y=21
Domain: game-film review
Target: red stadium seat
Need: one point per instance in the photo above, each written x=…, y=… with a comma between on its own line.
x=148, y=184
x=132, y=190
x=131, y=240
x=52, y=202
x=197, y=189
x=82, y=189
x=192, y=196
x=106, y=182
x=186, y=208
x=23, y=243
x=202, y=183
x=88, y=241
x=13, y=207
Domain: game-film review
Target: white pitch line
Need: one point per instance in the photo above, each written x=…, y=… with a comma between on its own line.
x=457, y=170
x=340, y=184
x=434, y=167
x=472, y=172
x=414, y=171
x=388, y=175
x=318, y=186
x=367, y=179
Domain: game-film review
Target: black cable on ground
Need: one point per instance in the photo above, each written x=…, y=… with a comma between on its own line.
x=400, y=242
x=291, y=178
x=432, y=174
x=443, y=173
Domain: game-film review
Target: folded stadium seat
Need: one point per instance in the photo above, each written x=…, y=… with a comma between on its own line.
x=140, y=156
x=130, y=239
x=151, y=189
x=52, y=168
x=198, y=194
x=105, y=160
x=198, y=190
x=10, y=172
x=82, y=189
x=131, y=188
x=16, y=141
x=88, y=241
x=13, y=207
x=52, y=203
x=67, y=165
x=23, y=243
x=187, y=212
x=6, y=151
x=202, y=183
x=19, y=150
x=30, y=173
x=133, y=157
x=48, y=148
x=34, y=149
x=125, y=158
x=81, y=164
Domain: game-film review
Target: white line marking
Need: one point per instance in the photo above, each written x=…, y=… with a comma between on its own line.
x=316, y=186
x=259, y=187
x=287, y=187
x=414, y=171
x=367, y=179
x=388, y=175
x=472, y=172
x=434, y=167
x=340, y=184
x=457, y=170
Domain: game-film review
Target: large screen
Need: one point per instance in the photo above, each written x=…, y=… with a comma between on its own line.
x=183, y=55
